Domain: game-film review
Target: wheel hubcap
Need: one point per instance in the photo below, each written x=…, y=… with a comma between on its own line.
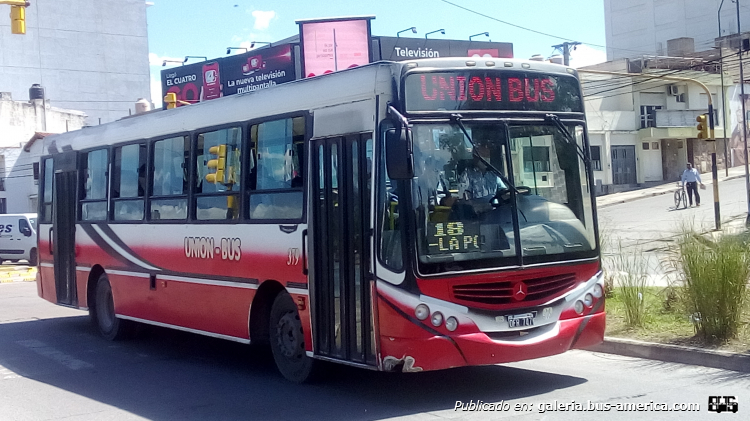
x=289, y=335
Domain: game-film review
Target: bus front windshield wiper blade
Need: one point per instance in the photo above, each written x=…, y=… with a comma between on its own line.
x=567, y=136
x=457, y=119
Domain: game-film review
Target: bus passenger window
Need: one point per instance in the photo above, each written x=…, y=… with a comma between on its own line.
x=46, y=208
x=128, y=182
x=169, y=186
x=277, y=169
x=94, y=189
x=218, y=174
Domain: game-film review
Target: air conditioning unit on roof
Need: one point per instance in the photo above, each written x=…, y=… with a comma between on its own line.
x=672, y=90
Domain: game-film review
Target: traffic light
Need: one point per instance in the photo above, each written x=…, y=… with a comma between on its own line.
x=171, y=100
x=218, y=164
x=18, y=20
x=703, y=129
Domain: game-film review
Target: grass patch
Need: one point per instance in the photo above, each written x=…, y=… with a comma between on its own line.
x=664, y=321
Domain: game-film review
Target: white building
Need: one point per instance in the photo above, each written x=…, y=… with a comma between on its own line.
x=643, y=131
x=88, y=55
x=636, y=27
x=21, y=124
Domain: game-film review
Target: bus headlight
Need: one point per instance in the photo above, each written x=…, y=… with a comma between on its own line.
x=422, y=311
x=451, y=323
x=588, y=300
x=578, y=307
x=597, y=291
x=437, y=318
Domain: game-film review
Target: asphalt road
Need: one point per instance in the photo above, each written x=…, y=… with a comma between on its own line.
x=53, y=366
x=643, y=230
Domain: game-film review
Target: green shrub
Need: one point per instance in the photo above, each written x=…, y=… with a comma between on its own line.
x=629, y=272
x=715, y=274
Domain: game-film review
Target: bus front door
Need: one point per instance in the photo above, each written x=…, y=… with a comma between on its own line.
x=342, y=317
x=64, y=226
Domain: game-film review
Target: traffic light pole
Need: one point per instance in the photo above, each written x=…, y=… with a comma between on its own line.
x=714, y=171
x=17, y=15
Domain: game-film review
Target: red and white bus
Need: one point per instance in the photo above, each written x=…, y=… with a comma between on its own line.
x=397, y=216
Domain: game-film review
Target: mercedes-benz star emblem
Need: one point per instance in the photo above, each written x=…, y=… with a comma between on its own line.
x=519, y=291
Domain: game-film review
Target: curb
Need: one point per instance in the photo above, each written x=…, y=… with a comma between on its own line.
x=675, y=354
x=645, y=195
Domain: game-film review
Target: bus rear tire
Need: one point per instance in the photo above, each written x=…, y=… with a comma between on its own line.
x=103, y=313
x=288, y=340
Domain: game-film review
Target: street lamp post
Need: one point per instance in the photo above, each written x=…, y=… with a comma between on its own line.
x=442, y=31
x=723, y=100
x=487, y=34
x=189, y=57
x=413, y=29
x=229, y=49
x=744, y=116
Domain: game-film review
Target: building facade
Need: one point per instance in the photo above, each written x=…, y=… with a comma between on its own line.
x=638, y=27
x=89, y=55
x=22, y=123
x=642, y=128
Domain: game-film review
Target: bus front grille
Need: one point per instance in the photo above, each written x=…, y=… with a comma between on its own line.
x=502, y=292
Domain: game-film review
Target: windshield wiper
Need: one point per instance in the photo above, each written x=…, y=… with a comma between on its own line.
x=457, y=118
x=568, y=137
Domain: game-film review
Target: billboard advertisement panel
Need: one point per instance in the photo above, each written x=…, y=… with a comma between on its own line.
x=334, y=44
x=257, y=69
x=248, y=72
x=185, y=81
x=400, y=49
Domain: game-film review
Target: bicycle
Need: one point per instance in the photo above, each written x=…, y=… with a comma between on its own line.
x=680, y=197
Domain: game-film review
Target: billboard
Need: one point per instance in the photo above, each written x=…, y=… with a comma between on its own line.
x=185, y=81
x=257, y=69
x=331, y=45
x=400, y=49
x=248, y=72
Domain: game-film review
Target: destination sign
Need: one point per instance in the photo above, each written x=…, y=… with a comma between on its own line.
x=495, y=90
x=453, y=237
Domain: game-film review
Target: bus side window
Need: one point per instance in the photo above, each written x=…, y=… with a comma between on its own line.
x=170, y=181
x=218, y=174
x=128, y=182
x=94, y=190
x=277, y=169
x=390, y=242
x=46, y=208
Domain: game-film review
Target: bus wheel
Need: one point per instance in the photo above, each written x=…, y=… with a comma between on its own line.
x=288, y=340
x=110, y=327
x=33, y=258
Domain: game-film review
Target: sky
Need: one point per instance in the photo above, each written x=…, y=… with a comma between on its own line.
x=179, y=28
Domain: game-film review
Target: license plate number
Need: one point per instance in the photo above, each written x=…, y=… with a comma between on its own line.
x=520, y=320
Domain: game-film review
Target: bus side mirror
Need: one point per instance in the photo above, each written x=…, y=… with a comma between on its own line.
x=399, y=159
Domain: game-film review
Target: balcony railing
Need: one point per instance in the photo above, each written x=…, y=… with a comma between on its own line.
x=682, y=118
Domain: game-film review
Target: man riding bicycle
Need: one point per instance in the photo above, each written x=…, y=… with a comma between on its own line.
x=691, y=178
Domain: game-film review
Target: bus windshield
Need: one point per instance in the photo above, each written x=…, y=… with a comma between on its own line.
x=479, y=199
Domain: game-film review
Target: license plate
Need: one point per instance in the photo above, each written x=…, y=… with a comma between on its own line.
x=521, y=320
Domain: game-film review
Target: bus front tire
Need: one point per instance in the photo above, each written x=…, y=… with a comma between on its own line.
x=288, y=340
x=103, y=313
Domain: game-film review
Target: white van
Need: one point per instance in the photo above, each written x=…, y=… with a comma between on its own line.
x=18, y=237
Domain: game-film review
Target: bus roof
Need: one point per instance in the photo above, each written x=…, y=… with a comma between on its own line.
x=349, y=85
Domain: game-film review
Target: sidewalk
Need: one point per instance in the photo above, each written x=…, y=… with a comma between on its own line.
x=17, y=274
x=668, y=187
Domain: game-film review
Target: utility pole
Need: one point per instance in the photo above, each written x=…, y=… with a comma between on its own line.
x=744, y=115
x=565, y=47
x=714, y=172
x=723, y=100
